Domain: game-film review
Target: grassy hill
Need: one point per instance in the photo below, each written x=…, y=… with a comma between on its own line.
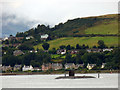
x=91, y=41
x=106, y=24
x=104, y=28
x=100, y=25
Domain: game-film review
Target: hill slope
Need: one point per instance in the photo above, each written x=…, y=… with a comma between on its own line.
x=104, y=28
x=91, y=41
x=106, y=24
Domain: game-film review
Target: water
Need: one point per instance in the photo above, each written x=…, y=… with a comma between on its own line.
x=49, y=81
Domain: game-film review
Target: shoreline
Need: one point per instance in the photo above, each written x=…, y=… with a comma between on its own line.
x=56, y=72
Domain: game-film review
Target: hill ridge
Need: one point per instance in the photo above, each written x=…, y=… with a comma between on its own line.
x=77, y=26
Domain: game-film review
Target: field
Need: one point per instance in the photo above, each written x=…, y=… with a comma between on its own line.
x=91, y=41
x=104, y=28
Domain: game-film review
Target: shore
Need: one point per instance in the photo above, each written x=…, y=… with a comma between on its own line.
x=58, y=72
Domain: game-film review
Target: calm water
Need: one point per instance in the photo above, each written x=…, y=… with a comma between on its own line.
x=49, y=81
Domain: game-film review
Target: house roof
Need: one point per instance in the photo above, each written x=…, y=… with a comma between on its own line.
x=56, y=64
x=69, y=64
x=17, y=52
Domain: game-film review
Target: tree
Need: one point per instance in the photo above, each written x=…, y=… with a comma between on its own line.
x=46, y=46
x=53, y=51
x=9, y=60
x=28, y=57
x=11, y=35
x=6, y=42
x=83, y=46
x=25, y=47
x=68, y=58
x=94, y=46
x=34, y=63
x=101, y=44
x=62, y=46
x=68, y=47
x=78, y=59
x=77, y=46
x=93, y=58
x=42, y=57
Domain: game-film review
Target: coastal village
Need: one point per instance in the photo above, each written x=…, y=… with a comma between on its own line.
x=47, y=66
x=59, y=44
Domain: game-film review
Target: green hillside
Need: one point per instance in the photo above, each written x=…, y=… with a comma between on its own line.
x=91, y=41
x=105, y=24
x=77, y=31
x=104, y=28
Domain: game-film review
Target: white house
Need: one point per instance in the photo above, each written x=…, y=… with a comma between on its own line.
x=44, y=36
x=107, y=49
x=26, y=68
x=29, y=37
x=94, y=50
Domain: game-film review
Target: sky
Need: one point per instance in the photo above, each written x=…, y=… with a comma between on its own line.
x=21, y=15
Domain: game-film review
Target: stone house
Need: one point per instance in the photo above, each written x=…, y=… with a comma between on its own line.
x=57, y=66
x=79, y=65
x=6, y=68
x=17, y=67
x=69, y=66
x=17, y=52
x=46, y=66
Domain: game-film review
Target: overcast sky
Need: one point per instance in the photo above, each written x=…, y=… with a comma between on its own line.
x=29, y=13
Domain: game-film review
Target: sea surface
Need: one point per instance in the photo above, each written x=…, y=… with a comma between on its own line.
x=49, y=81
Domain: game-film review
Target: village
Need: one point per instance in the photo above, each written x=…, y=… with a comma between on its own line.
x=49, y=65
x=64, y=44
